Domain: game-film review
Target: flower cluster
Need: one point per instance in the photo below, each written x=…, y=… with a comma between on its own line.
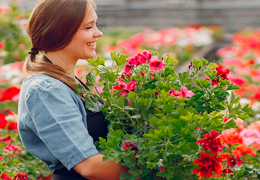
x=221, y=73
x=131, y=65
x=18, y=176
x=183, y=93
x=133, y=147
x=214, y=163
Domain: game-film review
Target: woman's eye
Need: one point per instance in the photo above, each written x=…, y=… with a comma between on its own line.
x=91, y=26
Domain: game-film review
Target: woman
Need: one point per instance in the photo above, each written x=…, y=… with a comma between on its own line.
x=53, y=123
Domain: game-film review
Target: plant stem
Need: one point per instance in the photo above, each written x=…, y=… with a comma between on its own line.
x=115, y=105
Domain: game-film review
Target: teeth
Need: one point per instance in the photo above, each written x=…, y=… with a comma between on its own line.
x=91, y=44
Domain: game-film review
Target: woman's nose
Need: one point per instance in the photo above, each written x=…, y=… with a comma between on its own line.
x=98, y=33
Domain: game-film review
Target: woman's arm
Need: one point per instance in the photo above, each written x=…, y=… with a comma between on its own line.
x=93, y=168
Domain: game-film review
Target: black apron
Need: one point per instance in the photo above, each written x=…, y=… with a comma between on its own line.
x=97, y=127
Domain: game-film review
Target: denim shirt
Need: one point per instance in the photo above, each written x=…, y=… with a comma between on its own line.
x=52, y=123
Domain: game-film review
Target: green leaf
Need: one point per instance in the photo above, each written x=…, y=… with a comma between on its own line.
x=197, y=63
x=153, y=122
x=212, y=66
x=90, y=77
x=184, y=78
x=169, y=59
x=115, y=133
x=119, y=58
x=211, y=74
x=131, y=96
x=96, y=62
x=143, y=104
x=136, y=116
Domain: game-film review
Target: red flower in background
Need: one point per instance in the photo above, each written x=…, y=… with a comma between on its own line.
x=5, y=177
x=208, y=164
x=243, y=150
x=231, y=160
x=10, y=94
x=6, y=139
x=2, y=46
x=3, y=121
x=119, y=87
x=211, y=142
x=1, y=158
x=20, y=176
x=162, y=168
x=131, y=86
x=11, y=148
x=231, y=137
x=222, y=72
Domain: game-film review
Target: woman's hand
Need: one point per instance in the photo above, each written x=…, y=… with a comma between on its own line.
x=93, y=168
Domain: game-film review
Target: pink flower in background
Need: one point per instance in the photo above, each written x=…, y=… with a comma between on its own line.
x=236, y=79
x=5, y=10
x=186, y=93
x=250, y=136
x=2, y=46
x=131, y=86
x=11, y=148
x=120, y=86
x=21, y=46
x=147, y=55
x=230, y=61
x=127, y=68
x=156, y=64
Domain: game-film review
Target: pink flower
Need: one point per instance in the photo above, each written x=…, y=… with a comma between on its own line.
x=127, y=68
x=133, y=61
x=1, y=158
x=155, y=64
x=129, y=103
x=152, y=75
x=124, y=93
x=142, y=73
x=225, y=120
x=131, y=86
x=186, y=93
x=140, y=58
x=11, y=148
x=21, y=46
x=119, y=87
x=1, y=46
x=250, y=136
x=147, y=55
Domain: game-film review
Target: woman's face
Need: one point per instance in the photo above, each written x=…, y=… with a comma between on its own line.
x=83, y=43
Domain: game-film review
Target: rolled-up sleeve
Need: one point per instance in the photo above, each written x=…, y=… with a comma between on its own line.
x=59, y=124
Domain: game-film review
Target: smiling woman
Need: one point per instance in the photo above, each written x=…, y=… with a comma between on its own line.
x=53, y=123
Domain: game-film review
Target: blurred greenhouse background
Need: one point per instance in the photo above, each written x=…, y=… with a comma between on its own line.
x=222, y=31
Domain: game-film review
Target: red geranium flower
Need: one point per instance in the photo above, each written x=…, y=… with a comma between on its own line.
x=243, y=150
x=10, y=94
x=231, y=160
x=128, y=144
x=211, y=142
x=6, y=139
x=3, y=121
x=128, y=67
x=120, y=86
x=1, y=46
x=231, y=137
x=131, y=86
x=11, y=148
x=208, y=164
x=162, y=168
x=20, y=176
x=5, y=177
x=1, y=158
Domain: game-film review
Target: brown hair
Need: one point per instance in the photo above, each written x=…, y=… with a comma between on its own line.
x=51, y=26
